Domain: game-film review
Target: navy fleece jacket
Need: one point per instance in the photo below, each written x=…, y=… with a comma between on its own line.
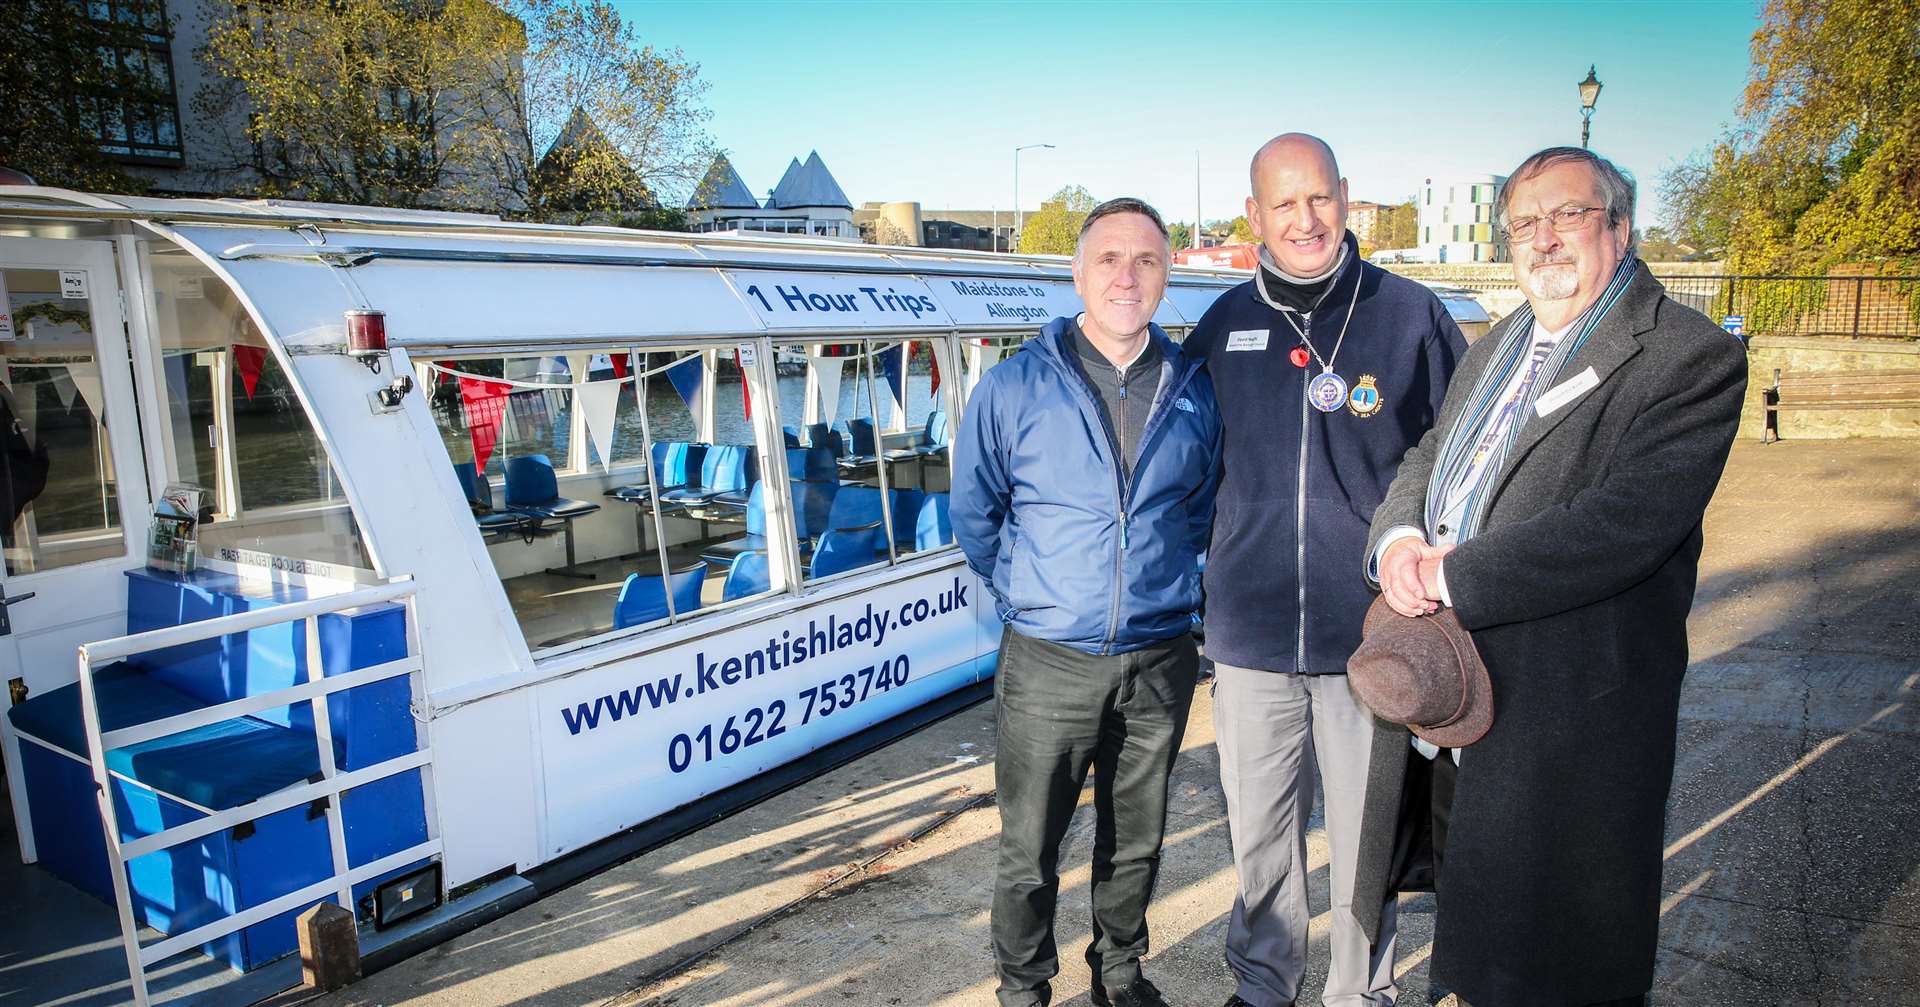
x=1299, y=486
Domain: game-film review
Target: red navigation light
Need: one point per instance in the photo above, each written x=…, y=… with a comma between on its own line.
x=366, y=332
x=367, y=336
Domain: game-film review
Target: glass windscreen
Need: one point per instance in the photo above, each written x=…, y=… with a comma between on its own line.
x=234, y=427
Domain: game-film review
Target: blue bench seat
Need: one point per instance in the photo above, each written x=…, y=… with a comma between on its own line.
x=176, y=779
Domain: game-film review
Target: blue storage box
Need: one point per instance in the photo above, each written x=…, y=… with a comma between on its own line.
x=176, y=779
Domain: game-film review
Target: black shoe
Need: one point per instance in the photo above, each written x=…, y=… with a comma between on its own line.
x=1139, y=993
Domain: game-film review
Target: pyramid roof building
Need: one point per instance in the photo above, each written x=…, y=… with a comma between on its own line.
x=809, y=184
x=722, y=189
x=582, y=141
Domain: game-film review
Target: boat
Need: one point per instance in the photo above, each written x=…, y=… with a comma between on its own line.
x=370, y=557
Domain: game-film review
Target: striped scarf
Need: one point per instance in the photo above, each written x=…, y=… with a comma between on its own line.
x=1484, y=403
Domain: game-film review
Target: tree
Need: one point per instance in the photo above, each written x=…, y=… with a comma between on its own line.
x=1658, y=245
x=1824, y=164
x=67, y=79
x=646, y=103
x=1241, y=232
x=453, y=102
x=1179, y=235
x=1398, y=226
x=1055, y=228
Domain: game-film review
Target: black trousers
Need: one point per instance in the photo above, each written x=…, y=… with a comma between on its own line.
x=1060, y=713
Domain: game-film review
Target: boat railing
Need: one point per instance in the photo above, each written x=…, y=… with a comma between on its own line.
x=326, y=790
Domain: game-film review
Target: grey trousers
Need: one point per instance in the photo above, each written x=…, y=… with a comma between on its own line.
x=1063, y=714
x=1273, y=729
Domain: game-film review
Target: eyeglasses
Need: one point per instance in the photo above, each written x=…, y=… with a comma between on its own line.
x=1570, y=218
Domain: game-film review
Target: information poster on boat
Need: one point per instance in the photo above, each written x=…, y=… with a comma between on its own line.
x=622, y=743
x=989, y=301
x=837, y=300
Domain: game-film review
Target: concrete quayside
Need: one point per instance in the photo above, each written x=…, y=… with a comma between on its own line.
x=1793, y=856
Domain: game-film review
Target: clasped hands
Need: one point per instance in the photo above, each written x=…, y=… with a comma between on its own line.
x=1410, y=576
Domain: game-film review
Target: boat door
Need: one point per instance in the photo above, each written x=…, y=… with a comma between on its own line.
x=74, y=501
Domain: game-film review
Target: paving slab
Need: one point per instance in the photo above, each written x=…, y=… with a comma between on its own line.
x=1793, y=869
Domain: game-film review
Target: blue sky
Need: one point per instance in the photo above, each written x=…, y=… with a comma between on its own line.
x=926, y=101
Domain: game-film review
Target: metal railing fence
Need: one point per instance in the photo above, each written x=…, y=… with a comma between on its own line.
x=328, y=789
x=1848, y=306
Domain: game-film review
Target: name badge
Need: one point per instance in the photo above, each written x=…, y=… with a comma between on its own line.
x=1566, y=391
x=1247, y=339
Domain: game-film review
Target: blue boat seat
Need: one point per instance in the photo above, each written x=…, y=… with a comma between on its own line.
x=220, y=765
x=723, y=468
x=533, y=490
x=749, y=575
x=860, y=432
x=843, y=549
x=854, y=507
x=934, y=528
x=479, y=493
x=643, y=598
x=906, y=504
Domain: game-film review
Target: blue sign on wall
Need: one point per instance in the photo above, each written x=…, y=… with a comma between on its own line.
x=1736, y=324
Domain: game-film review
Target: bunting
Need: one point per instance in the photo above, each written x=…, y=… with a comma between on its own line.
x=249, y=360
x=686, y=378
x=484, y=402
x=599, y=403
x=86, y=380
x=827, y=372
x=893, y=364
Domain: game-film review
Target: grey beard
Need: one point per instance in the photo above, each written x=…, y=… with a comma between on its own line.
x=1557, y=285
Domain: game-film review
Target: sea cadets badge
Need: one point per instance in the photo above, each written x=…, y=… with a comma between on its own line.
x=1364, y=400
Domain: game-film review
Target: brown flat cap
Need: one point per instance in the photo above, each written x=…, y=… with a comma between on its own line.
x=1423, y=672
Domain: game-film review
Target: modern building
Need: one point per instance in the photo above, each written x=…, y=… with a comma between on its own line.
x=905, y=223
x=1456, y=219
x=1362, y=217
x=807, y=201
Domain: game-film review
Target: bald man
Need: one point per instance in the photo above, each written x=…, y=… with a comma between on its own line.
x=1327, y=370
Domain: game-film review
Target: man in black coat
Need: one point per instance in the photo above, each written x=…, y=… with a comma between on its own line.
x=1556, y=507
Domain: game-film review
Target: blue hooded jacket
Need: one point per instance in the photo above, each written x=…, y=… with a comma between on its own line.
x=1074, y=551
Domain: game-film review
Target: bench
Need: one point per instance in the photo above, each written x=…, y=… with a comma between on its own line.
x=181, y=777
x=1837, y=390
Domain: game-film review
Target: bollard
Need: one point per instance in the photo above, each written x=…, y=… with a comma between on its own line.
x=329, y=947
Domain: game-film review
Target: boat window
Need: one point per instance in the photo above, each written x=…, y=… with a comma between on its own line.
x=58, y=485
x=235, y=426
x=615, y=491
x=872, y=466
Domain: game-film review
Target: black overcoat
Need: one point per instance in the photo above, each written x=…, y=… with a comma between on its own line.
x=1576, y=591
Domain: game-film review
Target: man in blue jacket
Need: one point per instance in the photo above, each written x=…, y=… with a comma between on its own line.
x=1328, y=369
x=1082, y=492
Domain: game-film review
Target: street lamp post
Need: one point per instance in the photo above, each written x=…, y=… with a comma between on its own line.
x=1589, y=94
x=1017, y=216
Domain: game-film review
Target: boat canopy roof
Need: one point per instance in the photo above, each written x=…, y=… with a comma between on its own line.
x=470, y=280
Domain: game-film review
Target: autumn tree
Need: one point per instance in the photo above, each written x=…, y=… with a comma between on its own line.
x=1397, y=226
x=1055, y=228
x=455, y=103
x=68, y=81
x=1823, y=165
x=1241, y=233
x=647, y=103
